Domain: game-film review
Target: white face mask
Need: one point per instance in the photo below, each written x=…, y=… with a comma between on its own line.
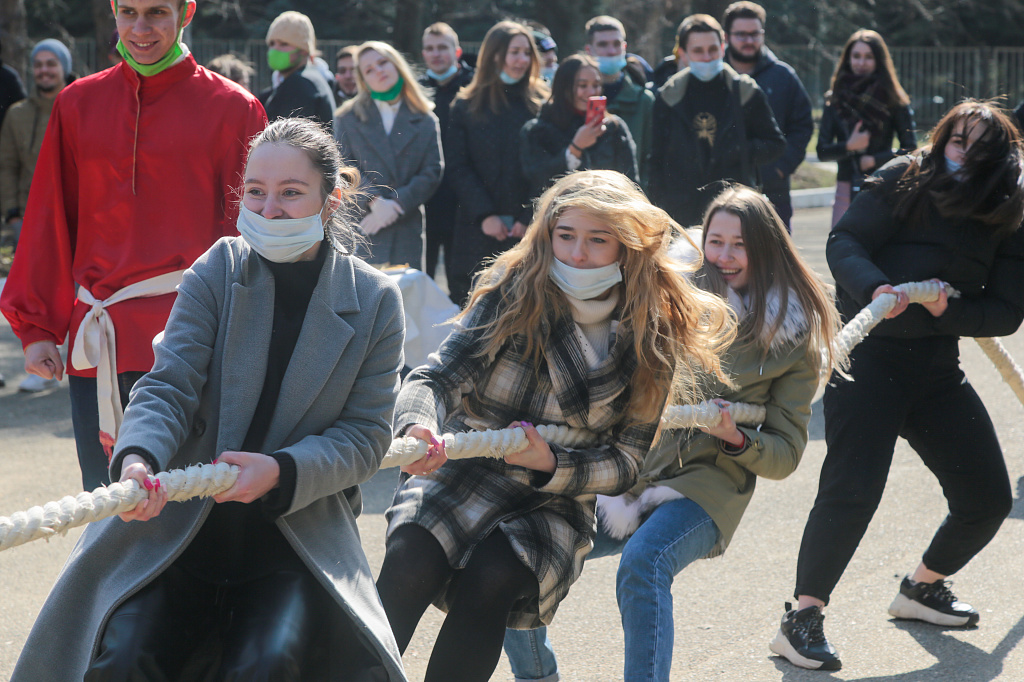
x=584, y=284
x=705, y=71
x=282, y=240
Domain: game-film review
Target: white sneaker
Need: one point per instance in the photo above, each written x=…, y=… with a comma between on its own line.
x=34, y=384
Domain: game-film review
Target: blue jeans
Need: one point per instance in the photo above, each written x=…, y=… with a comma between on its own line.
x=85, y=419
x=676, y=534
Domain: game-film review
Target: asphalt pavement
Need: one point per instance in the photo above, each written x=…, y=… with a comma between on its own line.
x=726, y=609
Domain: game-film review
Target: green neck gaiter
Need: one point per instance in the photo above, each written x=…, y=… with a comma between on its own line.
x=390, y=94
x=164, y=62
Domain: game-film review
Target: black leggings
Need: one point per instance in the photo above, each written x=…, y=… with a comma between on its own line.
x=415, y=572
x=181, y=628
x=915, y=389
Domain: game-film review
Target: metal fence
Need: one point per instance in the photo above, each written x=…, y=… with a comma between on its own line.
x=934, y=77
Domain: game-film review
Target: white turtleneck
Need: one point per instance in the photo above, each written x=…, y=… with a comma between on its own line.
x=388, y=112
x=593, y=320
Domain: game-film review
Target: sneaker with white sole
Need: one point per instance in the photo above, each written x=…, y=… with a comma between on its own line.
x=34, y=384
x=932, y=603
x=801, y=640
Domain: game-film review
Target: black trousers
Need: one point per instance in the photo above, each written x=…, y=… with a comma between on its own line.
x=914, y=389
x=270, y=628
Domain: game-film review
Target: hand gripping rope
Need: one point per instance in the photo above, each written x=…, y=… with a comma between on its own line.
x=203, y=480
x=207, y=480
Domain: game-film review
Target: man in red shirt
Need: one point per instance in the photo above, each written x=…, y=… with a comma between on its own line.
x=135, y=180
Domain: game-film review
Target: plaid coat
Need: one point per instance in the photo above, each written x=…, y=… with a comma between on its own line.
x=548, y=518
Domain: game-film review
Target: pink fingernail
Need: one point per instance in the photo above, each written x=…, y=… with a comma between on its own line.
x=158, y=484
x=527, y=424
x=214, y=462
x=148, y=483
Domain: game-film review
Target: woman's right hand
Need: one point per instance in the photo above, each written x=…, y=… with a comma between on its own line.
x=587, y=134
x=135, y=468
x=435, y=456
x=902, y=300
x=493, y=226
x=859, y=138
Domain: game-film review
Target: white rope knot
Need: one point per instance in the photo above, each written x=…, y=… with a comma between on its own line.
x=53, y=518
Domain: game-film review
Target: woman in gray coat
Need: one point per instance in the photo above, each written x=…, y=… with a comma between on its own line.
x=281, y=356
x=390, y=132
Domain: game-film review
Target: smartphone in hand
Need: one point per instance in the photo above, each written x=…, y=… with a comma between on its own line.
x=596, y=107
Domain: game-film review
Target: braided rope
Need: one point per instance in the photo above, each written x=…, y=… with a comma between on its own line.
x=708, y=414
x=1009, y=370
x=204, y=480
x=495, y=443
x=868, y=318
x=498, y=443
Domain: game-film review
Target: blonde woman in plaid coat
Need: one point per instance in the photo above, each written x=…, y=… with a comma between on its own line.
x=588, y=323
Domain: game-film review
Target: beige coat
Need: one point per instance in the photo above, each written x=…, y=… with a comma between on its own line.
x=21, y=138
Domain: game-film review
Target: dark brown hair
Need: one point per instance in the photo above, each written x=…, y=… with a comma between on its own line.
x=697, y=23
x=744, y=9
x=894, y=93
x=486, y=90
x=989, y=187
x=560, y=109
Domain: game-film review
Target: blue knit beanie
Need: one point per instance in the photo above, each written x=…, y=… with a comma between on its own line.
x=57, y=48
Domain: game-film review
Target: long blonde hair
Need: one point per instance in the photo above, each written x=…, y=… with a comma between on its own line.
x=486, y=90
x=679, y=331
x=413, y=94
x=775, y=266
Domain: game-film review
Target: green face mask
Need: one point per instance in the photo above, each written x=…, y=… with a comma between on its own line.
x=164, y=62
x=390, y=94
x=279, y=60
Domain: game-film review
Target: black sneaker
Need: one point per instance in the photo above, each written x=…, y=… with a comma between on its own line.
x=801, y=640
x=932, y=603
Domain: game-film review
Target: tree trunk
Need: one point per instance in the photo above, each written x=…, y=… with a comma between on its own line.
x=103, y=23
x=14, y=29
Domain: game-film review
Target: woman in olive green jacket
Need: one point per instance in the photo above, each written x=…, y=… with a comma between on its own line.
x=695, y=484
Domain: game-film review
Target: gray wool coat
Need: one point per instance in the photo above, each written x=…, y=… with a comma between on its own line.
x=333, y=417
x=405, y=166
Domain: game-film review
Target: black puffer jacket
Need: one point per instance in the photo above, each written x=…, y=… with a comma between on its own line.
x=544, y=145
x=482, y=161
x=869, y=247
x=834, y=132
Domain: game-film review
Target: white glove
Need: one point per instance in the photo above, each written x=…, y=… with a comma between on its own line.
x=388, y=209
x=371, y=224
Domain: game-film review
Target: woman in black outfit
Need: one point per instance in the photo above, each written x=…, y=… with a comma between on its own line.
x=482, y=152
x=560, y=141
x=864, y=108
x=951, y=213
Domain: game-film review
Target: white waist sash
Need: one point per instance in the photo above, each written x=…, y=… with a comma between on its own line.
x=95, y=346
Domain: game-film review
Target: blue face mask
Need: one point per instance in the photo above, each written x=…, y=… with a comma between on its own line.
x=609, y=66
x=509, y=80
x=705, y=71
x=548, y=72
x=452, y=70
x=955, y=169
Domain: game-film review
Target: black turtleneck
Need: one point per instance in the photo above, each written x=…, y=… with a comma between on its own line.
x=240, y=541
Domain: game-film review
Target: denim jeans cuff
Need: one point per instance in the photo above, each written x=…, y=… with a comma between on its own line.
x=549, y=678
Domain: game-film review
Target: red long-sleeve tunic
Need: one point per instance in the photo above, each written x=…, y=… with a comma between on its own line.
x=137, y=177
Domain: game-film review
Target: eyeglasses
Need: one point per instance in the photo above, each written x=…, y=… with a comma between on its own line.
x=743, y=36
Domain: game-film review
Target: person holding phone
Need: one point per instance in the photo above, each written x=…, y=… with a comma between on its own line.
x=574, y=131
x=865, y=108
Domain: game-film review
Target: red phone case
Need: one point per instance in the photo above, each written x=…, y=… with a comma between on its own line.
x=595, y=108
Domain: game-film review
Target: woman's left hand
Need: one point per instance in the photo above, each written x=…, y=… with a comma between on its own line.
x=867, y=163
x=937, y=307
x=258, y=476
x=518, y=230
x=537, y=455
x=726, y=428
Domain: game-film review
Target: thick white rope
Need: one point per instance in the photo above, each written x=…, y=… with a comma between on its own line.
x=1008, y=369
x=203, y=480
x=498, y=443
x=867, y=319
